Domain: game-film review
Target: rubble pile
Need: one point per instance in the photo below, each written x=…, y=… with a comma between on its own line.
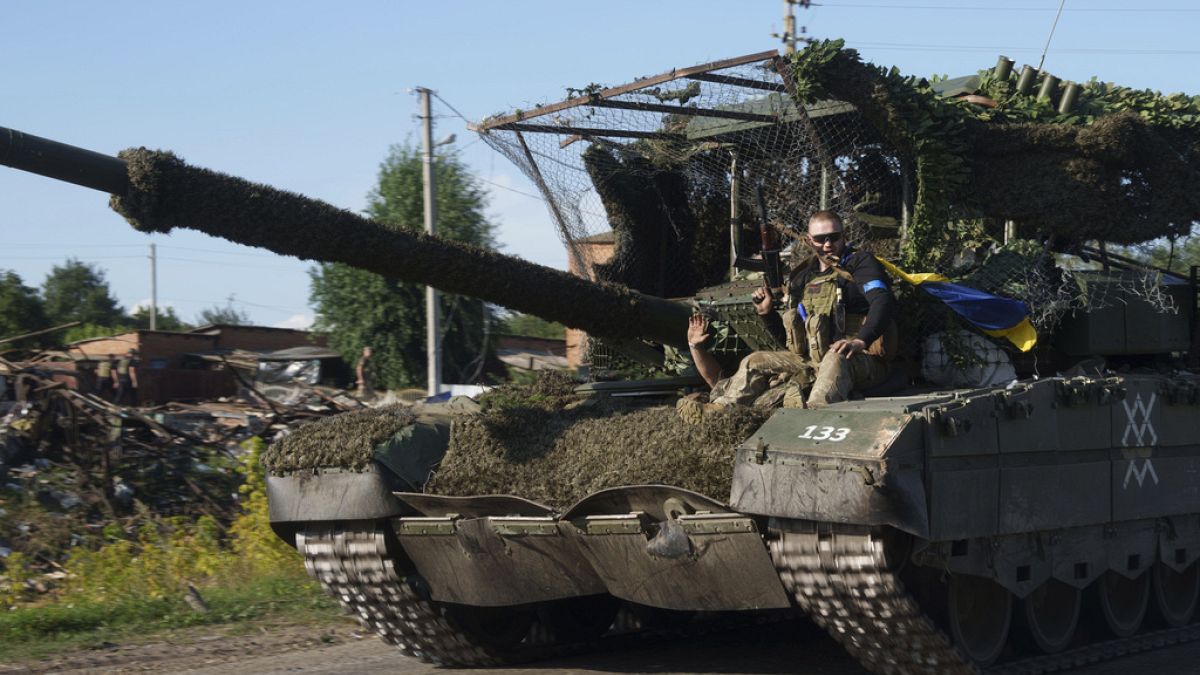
x=76, y=469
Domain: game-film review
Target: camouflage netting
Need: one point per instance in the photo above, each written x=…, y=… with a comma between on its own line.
x=345, y=441
x=1119, y=179
x=549, y=390
x=662, y=213
x=558, y=457
x=1121, y=165
x=540, y=441
x=167, y=193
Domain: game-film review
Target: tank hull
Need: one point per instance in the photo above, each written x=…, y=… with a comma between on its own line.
x=1055, y=488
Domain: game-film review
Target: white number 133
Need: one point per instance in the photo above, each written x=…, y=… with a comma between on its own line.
x=831, y=434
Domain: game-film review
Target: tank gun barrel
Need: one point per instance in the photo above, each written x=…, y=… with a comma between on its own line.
x=63, y=162
x=157, y=191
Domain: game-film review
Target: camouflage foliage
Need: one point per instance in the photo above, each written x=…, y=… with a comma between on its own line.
x=559, y=457
x=345, y=441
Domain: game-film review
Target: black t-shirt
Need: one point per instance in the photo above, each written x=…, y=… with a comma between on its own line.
x=870, y=295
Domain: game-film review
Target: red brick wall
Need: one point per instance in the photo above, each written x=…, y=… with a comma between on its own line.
x=151, y=345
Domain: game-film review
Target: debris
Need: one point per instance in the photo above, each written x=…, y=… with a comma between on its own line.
x=195, y=600
x=75, y=468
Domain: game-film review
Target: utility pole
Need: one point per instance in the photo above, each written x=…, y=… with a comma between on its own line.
x=153, y=287
x=789, y=37
x=432, y=344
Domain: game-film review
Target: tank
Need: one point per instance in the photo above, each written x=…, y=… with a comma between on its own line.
x=1029, y=512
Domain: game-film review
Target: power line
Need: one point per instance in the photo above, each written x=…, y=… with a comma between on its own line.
x=1006, y=8
x=230, y=264
x=72, y=245
x=511, y=189
x=994, y=49
x=219, y=252
x=447, y=104
x=235, y=301
x=59, y=257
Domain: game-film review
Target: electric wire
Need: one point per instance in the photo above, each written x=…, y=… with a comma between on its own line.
x=994, y=48
x=1006, y=8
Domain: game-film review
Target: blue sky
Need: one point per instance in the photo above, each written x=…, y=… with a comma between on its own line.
x=308, y=96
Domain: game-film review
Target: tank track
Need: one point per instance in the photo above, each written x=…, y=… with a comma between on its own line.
x=841, y=577
x=352, y=563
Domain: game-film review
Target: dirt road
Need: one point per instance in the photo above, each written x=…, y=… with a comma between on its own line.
x=340, y=647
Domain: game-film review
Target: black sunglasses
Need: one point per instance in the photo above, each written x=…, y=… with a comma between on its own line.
x=822, y=238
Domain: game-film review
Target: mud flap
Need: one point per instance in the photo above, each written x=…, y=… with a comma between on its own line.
x=330, y=495
x=709, y=562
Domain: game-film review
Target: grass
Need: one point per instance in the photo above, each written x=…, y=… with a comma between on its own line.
x=35, y=632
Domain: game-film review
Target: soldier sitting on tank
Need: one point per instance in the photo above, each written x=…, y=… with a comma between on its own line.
x=838, y=330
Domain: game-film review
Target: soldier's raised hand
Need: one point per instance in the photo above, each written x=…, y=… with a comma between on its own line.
x=697, y=329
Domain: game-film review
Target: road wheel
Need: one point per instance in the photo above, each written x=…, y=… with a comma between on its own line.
x=1050, y=616
x=979, y=613
x=1175, y=593
x=1121, y=602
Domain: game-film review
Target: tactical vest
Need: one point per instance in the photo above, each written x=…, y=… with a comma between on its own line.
x=123, y=368
x=104, y=369
x=827, y=322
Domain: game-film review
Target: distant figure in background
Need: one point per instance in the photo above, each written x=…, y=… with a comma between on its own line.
x=366, y=379
x=127, y=382
x=104, y=376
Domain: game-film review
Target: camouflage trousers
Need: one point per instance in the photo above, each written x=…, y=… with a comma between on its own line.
x=767, y=378
x=838, y=376
x=761, y=375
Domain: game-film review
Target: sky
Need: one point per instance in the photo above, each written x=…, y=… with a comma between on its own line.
x=309, y=96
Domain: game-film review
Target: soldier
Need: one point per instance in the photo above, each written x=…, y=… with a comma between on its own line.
x=104, y=376
x=127, y=379
x=838, y=330
x=364, y=379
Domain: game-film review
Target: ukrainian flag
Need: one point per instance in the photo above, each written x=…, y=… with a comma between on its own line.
x=999, y=317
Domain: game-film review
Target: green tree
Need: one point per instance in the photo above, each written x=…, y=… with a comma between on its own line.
x=88, y=331
x=357, y=308
x=166, y=319
x=227, y=315
x=529, y=325
x=77, y=291
x=21, y=309
x=1161, y=253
